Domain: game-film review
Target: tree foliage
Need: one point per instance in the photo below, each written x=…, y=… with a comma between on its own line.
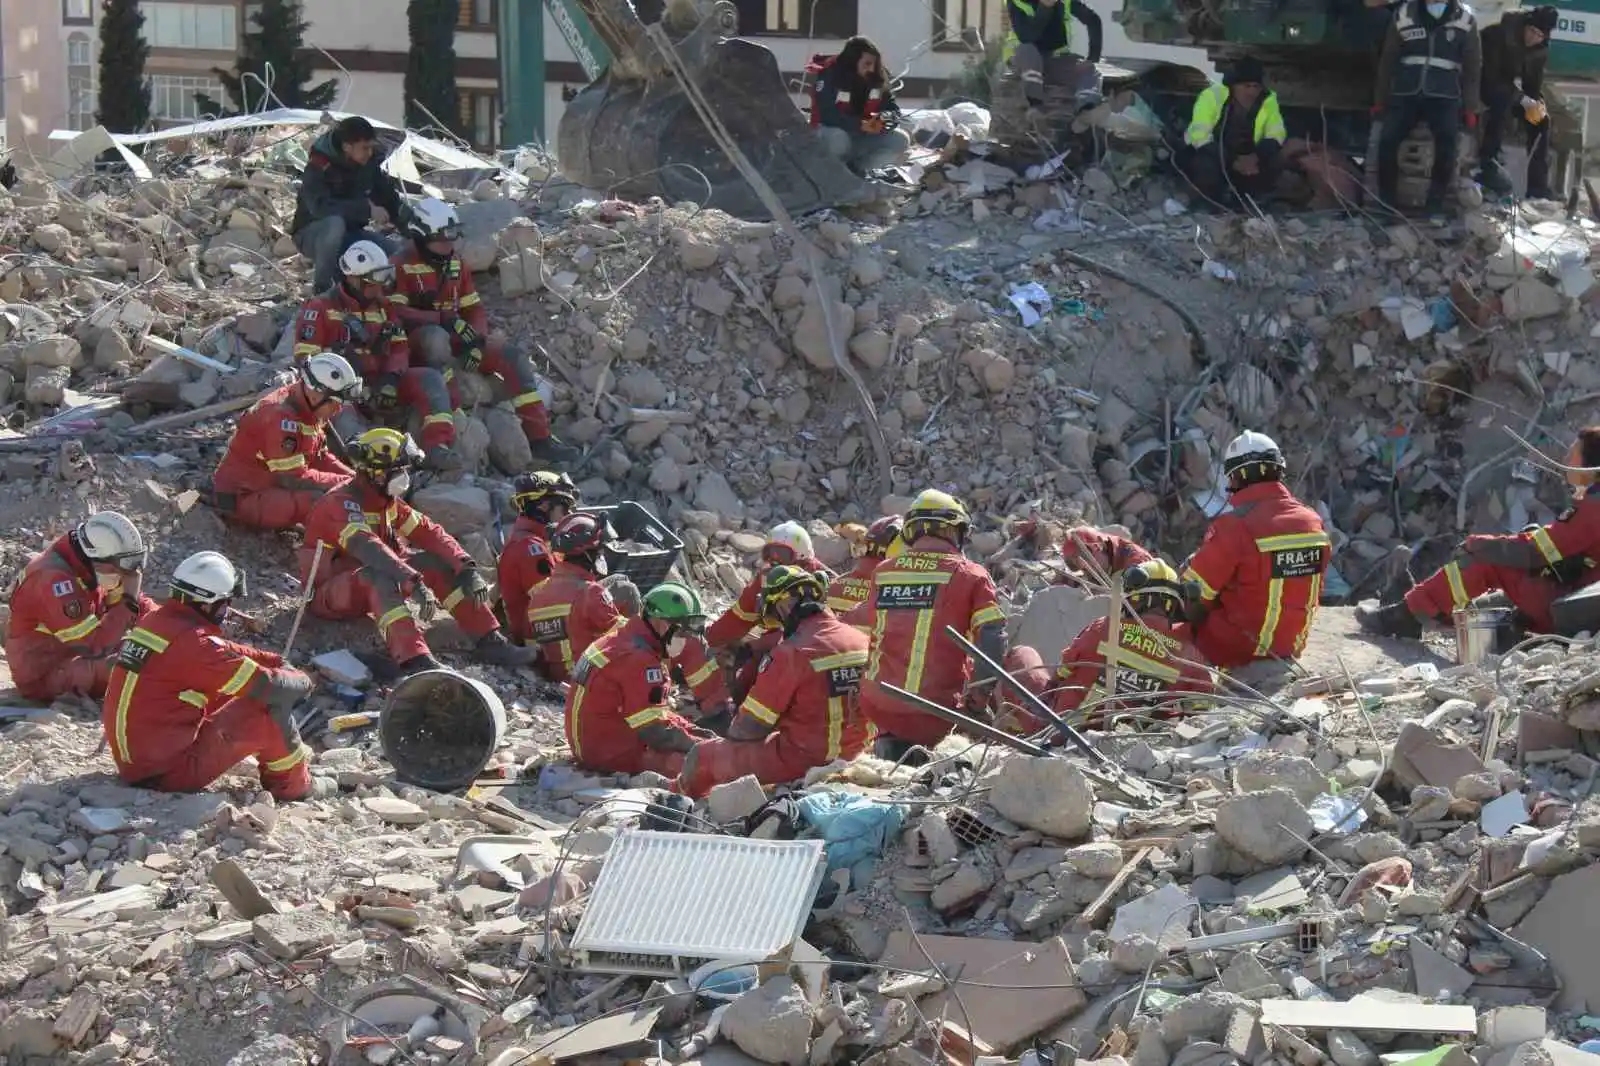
x=123, y=105
x=430, y=86
x=271, y=59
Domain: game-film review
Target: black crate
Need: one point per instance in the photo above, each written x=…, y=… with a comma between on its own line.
x=645, y=567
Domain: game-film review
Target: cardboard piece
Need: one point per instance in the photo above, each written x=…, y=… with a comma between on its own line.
x=1364, y=1014
x=1010, y=991
x=1436, y=976
x=1423, y=757
x=1561, y=926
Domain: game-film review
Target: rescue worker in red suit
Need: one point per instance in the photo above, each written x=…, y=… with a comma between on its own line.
x=573, y=608
x=931, y=585
x=619, y=706
x=740, y=637
x=1256, y=580
x=848, y=592
x=358, y=320
x=378, y=551
x=185, y=704
x=1534, y=568
x=803, y=710
x=449, y=328
x=278, y=463
x=1087, y=551
x=542, y=499
x=1156, y=656
x=71, y=606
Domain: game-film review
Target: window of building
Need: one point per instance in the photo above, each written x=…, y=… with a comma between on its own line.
x=478, y=111
x=80, y=82
x=797, y=18
x=172, y=95
x=952, y=17
x=77, y=12
x=477, y=14
x=209, y=26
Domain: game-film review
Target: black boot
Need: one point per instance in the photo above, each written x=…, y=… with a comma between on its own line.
x=1390, y=620
x=493, y=648
x=893, y=749
x=553, y=449
x=418, y=663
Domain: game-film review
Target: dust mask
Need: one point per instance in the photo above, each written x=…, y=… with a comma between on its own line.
x=107, y=582
x=1436, y=10
x=676, y=645
x=400, y=484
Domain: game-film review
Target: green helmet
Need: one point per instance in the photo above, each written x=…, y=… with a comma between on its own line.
x=674, y=602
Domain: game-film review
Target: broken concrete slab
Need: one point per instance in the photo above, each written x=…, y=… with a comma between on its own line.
x=1050, y=795
x=1054, y=618
x=1368, y=1014
x=1437, y=977
x=1272, y=890
x=1163, y=916
x=1423, y=757
x=1561, y=926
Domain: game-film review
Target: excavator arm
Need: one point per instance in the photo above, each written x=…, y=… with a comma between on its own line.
x=634, y=132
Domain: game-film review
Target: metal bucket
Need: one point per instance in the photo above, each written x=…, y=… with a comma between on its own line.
x=1481, y=632
x=440, y=728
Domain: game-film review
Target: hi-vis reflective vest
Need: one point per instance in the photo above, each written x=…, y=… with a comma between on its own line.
x=1208, y=108
x=1430, y=62
x=1064, y=13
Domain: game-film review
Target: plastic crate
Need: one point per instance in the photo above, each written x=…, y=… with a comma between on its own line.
x=645, y=567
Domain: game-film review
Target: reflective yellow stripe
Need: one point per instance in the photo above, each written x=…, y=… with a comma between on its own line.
x=574, y=718
x=415, y=268
x=302, y=351
x=1134, y=661
x=759, y=711
x=1458, y=588
x=544, y=614
x=1293, y=541
x=351, y=530
x=741, y=614
x=1546, y=546
x=294, y=462
x=919, y=650
x=597, y=657
x=449, y=375
x=699, y=677
x=241, y=677
x=1206, y=591
x=838, y=659
x=409, y=526
x=988, y=616
x=124, y=699
x=835, y=725
x=141, y=635
x=1269, y=624
x=1311, y=615
x=646, y=716
x=391, y=616
x=452, y=601
x=526, y=399
x=840, y=604
x=80, y=630
x=289, y=761
x=566, y=655
x=912, y=578
x=439, y=419
x=471, y=299
x=193, y=697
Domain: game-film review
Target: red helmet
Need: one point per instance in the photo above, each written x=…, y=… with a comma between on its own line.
x=578, y=534
x=882, y=534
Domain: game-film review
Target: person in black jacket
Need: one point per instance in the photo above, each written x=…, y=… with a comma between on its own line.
x=1039, y=45
x=342, y=188
x=1515, y=51
x=854, y=109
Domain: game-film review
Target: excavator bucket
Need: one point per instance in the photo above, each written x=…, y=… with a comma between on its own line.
x=635, y=133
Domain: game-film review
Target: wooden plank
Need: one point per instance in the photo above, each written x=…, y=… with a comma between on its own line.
x=1094, y=915
x=1368, y=1015
x=77, y=1018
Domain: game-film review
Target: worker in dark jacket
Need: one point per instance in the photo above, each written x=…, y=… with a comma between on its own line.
x=341, y=189
x=1429, y=72
x=1515, y=50
x=1039, y=45
x=853, y=108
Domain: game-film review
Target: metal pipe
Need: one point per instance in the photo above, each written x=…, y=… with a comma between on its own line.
x=971, y=725
x=1029, y=697
x=305, y=598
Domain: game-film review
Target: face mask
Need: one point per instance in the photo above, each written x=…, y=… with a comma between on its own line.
x=601, y=567
x=1436, y=10
x=108, y=582
x=400, y=484
x=676, y=645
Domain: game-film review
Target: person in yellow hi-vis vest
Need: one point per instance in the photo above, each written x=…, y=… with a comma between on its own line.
x=1039, y=45
x=1235, y=135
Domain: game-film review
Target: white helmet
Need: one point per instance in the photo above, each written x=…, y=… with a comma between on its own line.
x=1251, y=448
x=109, y=537
x=431, y=218
x=364, y=259
x=330, y=373
x=207, y=578
x=791, y=535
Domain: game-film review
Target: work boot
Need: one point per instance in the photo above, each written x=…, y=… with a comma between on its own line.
x=418, y=663
x=1493, y=176
x=1389, y=620
x=1541, y=193
x=443, y=459
x=495, y=650
x=553, y=449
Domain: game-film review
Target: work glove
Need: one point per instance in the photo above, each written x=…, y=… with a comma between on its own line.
x=427, y=605
x=469, y=337
x=1534, y=111
x=472, y=586
x=1377, y=110
x=387, y=393
x=872, y=125
x=1470, y=118
x=391, y=332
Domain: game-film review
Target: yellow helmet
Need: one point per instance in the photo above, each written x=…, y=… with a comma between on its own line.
x=933, y=510
x=782, y=581
x=1154, y=584
x=381, y=452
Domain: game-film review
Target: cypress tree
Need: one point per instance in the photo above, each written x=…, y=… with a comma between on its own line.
x=124, y=101
x=430, y=86
x=271, y=57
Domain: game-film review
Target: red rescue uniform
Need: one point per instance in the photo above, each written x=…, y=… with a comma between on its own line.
x=929, y=586
x=1108, y=551
x=184, y=706
x=743, y=620
x=1260, y=572
x=63, y=628
x=808, y=694
x=277, y=463
x=437, y=294
x=849, y=591
x=1523, y=565
x=619, y=686
x=1155, y=657
x=524, y=563
x=357, y=519
x=566, y=614
x=374, y=340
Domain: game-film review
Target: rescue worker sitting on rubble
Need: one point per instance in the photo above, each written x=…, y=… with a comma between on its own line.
x=929, y=586
x=730, y=636
x=803, y=710
x=877, y=542
x=619, y=715
x=344, y=193
x=853, y=108
x=1534, y=568
x=378, y=552
x=186, y=704
x=72, y=604
x=574, y=607
x=449, y=327
x=1256, y=580
x=278, y=463
x=1515, y=51
x=542, y=499
x=1156, y=656
x=1038, y=46
x=1235, y=134
x=356, y=319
